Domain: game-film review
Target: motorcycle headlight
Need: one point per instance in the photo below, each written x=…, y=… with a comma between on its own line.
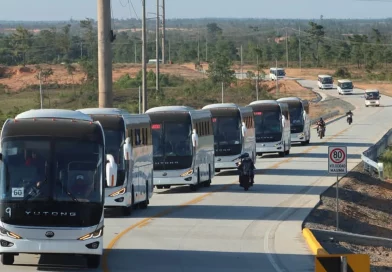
x=5, y=232
x=92, y=235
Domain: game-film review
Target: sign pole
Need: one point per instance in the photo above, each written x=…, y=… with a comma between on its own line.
x=337, y=202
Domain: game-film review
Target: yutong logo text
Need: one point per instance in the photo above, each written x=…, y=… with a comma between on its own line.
x=36, y=213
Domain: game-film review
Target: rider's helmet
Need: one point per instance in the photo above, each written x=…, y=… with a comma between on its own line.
x=321, y=119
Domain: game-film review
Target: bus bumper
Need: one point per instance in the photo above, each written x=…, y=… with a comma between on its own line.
x=117, y=197
x=273, y=147
x=347, y=91
x=37, y=243
x=173, y=177
x=298, y=137
x=226, y=162
x=372, y=103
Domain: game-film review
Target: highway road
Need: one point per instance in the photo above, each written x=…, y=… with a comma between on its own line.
x=223, y=228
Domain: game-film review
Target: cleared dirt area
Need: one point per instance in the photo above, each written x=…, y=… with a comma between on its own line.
x=365, y=207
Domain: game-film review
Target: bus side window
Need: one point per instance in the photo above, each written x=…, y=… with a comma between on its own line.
x=137, y=137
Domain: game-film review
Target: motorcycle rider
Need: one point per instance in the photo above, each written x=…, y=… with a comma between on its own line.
x=320, y=123
x=349, y=114
x=247, y=168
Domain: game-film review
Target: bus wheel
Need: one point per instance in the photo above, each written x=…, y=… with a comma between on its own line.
x=287, y=152
x=159, y=187
x=217, y=170
x=7, y=259
x=208, y=182
x=167, y=186
x=93, y=261
x=193, y=187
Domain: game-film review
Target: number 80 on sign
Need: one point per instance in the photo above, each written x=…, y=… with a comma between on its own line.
x=337, y=160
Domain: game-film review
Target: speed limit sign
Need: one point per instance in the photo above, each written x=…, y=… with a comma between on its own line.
x=337, y=160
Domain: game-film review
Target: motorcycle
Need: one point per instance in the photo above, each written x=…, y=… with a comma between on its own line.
x=245, y=180
x=321, y=131
x=349, y=119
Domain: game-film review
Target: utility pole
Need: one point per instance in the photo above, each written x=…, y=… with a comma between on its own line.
x=144, y=58
x=242, y=74
x=206, y=50
x=135, y=53
x=258, y=73
x=40, y=91
x=277, y=85
x=163, y=31
x=198, y=46
x=157, y=49
x=104, y=55
x=287, y=51
x=300, y=58
x=169, y=52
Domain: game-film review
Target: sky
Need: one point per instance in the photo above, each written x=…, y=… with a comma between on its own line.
x=60, y=10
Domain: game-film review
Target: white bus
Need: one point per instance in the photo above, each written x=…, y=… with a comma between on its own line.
x=277, y=73
x=345, y=86
x=234, y=133
x=272, y=124
x=52, y=167
x=131, y=132
x=299, y=119
x=183, y=142
x=372, y=98
x=325, y=82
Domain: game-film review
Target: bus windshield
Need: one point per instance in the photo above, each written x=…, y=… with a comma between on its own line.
x=227, y=130
x=327, y=80
x=372, y=95
x=172, y=143
x=39, y=170
x=268, y=126
x=346, y=85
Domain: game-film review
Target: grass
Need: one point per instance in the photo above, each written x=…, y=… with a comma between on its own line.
x=386, y=159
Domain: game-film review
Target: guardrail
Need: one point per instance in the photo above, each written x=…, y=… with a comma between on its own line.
x=371, y=155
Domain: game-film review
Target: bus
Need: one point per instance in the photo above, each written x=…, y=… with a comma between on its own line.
x=299, y=119
x=372, y=98
x=183, y=142
x=345, y=86
x=130, y=132
x=325, y=82
x=277, y=73
x=52, y=175
x=272, y=123
x=234, y=133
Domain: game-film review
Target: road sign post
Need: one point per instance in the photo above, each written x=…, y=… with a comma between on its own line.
x=337, y=164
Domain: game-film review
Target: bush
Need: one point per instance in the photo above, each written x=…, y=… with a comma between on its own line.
x=342, y=72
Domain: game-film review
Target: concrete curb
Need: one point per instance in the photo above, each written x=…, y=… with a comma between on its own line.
x=312, y=242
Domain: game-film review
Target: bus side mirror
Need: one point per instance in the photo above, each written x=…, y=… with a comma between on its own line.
x=111, y=171
x=244, y=129
x=195, y=139
x=127, y=149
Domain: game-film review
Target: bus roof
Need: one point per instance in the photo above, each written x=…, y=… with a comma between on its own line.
x=103, y=111
x=170, y=108
x=344, y=81
x=372, y=91
x=323, y=76
x=264, y=102
x=286, y=99
x=220, y=105
x=54, y=113
x=275, y=68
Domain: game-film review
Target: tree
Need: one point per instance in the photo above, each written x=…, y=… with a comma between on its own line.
x=21, y=41
x=316, y=34
x=70, y=70
x=219, y=69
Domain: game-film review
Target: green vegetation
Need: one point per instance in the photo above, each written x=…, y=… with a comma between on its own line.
x=386, y=159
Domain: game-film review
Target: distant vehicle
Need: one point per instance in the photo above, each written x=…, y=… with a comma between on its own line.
x=345, y=86
x=51, y=185
x=272, y=124
x=277, y=73
x=372, y=98
x=234, y=133
x=128, y=138
x=325, y=82
x=183, y=143
x=299, y=119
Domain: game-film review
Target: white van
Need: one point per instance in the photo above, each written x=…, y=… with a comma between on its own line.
x=277, y=73
x=345, y=86
x=372, y=98
x=325, y=82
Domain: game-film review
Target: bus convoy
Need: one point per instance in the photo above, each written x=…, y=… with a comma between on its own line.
x=60, y=169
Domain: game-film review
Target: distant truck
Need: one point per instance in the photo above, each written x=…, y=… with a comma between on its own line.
x=277, y=73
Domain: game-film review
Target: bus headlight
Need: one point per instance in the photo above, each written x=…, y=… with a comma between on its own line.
x=5, y=232
x=92, y=235
x=187, y=173
x=119, y=192
x=278, y=144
